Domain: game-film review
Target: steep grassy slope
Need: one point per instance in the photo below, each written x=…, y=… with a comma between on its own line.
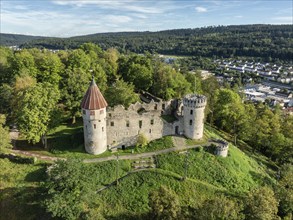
x=236, y=173
x=207, y=177
x=130, y=198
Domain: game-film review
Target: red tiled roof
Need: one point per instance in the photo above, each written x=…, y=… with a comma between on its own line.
x=93, y=98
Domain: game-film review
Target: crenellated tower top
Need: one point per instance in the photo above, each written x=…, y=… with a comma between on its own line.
x=194, y=101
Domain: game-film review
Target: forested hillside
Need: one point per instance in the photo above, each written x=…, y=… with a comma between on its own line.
x=16, y=39
x=263, y=41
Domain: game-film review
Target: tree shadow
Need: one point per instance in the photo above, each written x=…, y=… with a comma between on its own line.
x=130, y=216
x=38, y=175
x=261, y=159
x=64, y=140
x=261, y=178
x=22, y=203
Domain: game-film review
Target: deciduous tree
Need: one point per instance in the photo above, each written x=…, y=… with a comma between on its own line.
x=220, y=207
x=69, y=190
x=121, y=93
x=284, y=191
x=261, y=204
x=35, y=106
x=5, y=141
x=164, y=204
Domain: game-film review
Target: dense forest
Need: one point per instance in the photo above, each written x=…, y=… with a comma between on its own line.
x=262, y=41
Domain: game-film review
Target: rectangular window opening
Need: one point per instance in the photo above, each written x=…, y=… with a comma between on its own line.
x=127, y=124
x=152, y=121
x=112, y=123
x=92, y=112
x=140, y=123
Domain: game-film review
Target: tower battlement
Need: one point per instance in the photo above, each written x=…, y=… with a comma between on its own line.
x=194, y=101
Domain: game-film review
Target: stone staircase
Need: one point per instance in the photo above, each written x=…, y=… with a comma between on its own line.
x=179, y=142
x=142, y=163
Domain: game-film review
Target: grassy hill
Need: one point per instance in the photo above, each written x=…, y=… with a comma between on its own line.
x=207, y=177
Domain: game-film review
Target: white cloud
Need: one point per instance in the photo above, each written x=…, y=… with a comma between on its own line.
x=201, y=9
x=62, y=24
x=148, y=7
x=286, y=19
x=238, y=16
x=118, y=19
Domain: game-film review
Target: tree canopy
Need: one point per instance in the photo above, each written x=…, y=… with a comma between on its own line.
x=164, y=204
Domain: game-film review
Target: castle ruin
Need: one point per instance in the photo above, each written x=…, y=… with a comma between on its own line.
x=107, y=128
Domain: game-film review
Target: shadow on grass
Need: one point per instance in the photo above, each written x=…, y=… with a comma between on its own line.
x=38, y=175
x=265, y=180
x=22, y=203
x=66, y=142
x=65, y=138
x=264, y=160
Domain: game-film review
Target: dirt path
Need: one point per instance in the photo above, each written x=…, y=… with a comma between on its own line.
x=114, y=157
x=138, y=156
x=39, y=156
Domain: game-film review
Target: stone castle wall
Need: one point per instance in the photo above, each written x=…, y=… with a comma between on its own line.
x=124, y=125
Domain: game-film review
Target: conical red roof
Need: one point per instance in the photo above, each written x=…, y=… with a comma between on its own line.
x=93, y=98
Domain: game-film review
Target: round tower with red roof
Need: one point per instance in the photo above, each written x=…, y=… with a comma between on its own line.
x=94, y=120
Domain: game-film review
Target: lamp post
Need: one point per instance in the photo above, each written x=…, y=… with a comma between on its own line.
x=117, y=168
x=186, y=165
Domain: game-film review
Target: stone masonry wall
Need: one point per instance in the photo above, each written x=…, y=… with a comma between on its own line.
x=124, y=125
x=95, y=135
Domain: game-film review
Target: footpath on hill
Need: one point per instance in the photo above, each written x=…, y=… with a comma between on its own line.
x=179, y=145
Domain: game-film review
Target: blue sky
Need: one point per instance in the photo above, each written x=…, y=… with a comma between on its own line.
x=64, y=18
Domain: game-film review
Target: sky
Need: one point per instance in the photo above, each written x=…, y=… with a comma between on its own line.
x=65, y=18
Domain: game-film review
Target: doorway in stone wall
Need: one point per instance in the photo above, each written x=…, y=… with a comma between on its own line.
x=177, y=130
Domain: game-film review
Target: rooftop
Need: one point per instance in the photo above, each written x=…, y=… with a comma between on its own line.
x=93, y=99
